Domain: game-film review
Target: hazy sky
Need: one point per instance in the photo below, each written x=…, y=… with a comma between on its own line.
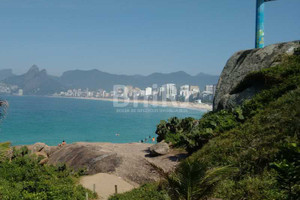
x=136, y=36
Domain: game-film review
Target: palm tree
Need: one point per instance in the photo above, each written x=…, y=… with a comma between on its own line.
x=193, y=181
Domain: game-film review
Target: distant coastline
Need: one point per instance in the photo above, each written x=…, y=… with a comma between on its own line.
x=175, y=104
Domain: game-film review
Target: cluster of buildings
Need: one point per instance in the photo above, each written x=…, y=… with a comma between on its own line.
x=10, y=89
x=166, y=92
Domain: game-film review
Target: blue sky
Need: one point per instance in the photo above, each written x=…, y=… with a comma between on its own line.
x=136, y=36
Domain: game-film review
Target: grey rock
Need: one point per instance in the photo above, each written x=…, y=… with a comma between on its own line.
x=49, y=150
x=92, y=158
x=37, y=147
x=161, y=148
x=240, y=65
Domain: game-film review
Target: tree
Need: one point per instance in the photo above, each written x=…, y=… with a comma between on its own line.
x=192, y=180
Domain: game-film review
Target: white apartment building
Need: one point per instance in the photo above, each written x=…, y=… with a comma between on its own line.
x=185, y=91
x=148, y=91
x=210, y=88
x=170, y=91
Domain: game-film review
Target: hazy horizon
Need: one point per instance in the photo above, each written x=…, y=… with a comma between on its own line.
x=40, y=68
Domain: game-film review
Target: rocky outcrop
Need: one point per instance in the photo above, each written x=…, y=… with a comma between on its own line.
x=129, y=161
x=240, y=65
x=85, y=156
x=158, y=149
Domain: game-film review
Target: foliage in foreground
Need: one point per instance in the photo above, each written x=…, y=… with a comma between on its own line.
x=148, y=191
x=24, y=178
x=260, y=139
x=193, y=180
x=4, y=149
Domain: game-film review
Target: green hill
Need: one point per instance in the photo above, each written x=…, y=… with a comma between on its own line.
x=251, y=151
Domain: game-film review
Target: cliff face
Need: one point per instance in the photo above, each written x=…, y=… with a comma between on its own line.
x=240, y=65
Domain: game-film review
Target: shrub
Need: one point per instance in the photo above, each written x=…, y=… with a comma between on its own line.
x=24, y=178
x=148, y=191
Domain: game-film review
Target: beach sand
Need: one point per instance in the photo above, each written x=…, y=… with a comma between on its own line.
x=176, y=104
x=105, y=184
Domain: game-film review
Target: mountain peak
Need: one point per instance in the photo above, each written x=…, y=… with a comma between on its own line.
x=33, y=69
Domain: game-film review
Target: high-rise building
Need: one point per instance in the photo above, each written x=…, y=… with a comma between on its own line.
x=148, y=91
x=210, y=88
x=185, y=91
x=170, y=91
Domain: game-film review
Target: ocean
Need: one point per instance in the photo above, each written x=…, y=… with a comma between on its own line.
x=32, y=119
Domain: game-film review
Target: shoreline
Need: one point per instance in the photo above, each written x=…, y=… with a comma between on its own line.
x=174, y=104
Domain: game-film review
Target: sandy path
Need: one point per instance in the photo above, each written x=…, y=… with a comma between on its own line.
x=105, y=184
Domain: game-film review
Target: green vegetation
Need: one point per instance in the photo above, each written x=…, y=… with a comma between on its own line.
x=148, y=191
x=192, y=134
x=193, y=180
x=22, y=177
x=4, y=149
x=258, y=141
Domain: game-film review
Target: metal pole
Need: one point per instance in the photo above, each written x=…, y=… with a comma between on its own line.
x=94, y=188
x=87, y=196
x=260, y=32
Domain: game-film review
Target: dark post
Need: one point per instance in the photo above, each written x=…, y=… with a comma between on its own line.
x=116, y=189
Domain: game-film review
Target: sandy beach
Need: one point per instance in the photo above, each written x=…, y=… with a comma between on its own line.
x=121, y=103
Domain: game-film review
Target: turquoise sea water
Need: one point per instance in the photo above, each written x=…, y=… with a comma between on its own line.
x=33, y=119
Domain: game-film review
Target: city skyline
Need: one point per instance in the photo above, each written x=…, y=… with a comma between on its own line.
x=165, y=92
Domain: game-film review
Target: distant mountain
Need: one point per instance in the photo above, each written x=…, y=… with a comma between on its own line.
x=38, y=82
x=95, y=79
x=35, y=82
x=5, y=73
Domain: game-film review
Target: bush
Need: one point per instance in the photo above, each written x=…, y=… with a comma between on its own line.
x=148, y=191
x=4, y=149
x=24, y=178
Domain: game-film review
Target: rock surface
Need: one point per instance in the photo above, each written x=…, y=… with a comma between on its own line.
x=49, y=150
x=161, y=148
x=37, y=147
x=241, y=64
x=130, y=161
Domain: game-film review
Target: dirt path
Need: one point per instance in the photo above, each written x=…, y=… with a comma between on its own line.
x=105, y=184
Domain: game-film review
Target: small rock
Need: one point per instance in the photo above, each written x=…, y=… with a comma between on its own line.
x=161, y=148
x=37, y=147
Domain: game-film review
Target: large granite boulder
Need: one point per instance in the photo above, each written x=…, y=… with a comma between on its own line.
x=93, y=158
x=240, y=65
x=161, y=148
